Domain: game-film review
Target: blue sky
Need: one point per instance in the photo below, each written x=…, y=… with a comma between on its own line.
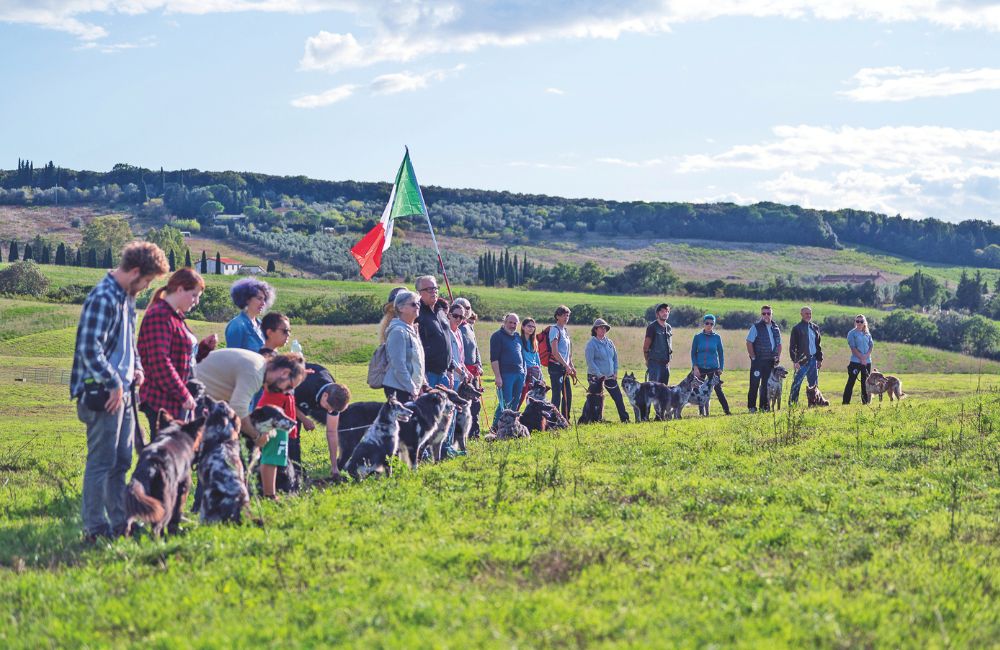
x=888, y=106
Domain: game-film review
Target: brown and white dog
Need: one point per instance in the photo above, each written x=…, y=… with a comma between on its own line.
x=162, y=478
x=815, y=398
x=878, y=383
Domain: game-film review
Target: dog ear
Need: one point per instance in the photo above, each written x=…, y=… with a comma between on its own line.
x=163, y=419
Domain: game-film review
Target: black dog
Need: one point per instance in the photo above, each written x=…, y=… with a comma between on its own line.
x=221, y=480
x=162, y=477
x=429, y=421
x=539, y=413
x=379, y=443
x=593, y=407
x=463, y=413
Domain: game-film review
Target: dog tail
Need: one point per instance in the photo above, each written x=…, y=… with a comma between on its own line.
x=140, y=505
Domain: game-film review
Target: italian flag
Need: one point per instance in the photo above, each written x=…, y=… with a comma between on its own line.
x=405, y=200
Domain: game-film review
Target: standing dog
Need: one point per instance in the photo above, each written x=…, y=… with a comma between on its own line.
x=645, y=396
x=593, y=406
x=680, y=395
x=162, y=477
x=379, y=443
x=778, y=374
x=223, y=485
x=702, y=395
x=878, y=383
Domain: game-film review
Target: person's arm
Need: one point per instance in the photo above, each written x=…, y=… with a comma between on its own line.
x=819, y=351
x=140, y=372
x=722, y=354
x=793, y=350
x=614, y=361
x=333, y=441
x=236, y=333
x=751, y=337
x=694, y=354
x=647, y=344
x=590, y=356
x=871, y=346
x=396, y=349
x=497, y=377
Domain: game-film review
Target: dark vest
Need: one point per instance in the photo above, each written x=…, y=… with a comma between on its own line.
x=762, y=344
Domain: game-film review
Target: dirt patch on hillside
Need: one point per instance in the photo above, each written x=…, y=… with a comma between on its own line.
x=23, y=223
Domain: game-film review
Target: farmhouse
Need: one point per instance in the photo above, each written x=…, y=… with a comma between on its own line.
x=229, y=265
x=250, y=269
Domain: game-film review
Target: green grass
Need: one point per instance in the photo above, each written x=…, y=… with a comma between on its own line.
x=844, y=527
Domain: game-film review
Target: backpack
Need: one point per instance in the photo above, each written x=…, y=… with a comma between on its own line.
x=542, y=343
x=378, y=367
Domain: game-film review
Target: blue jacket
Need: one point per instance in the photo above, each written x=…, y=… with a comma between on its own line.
x=707, y=352
x=602, y=357
x=244, y=333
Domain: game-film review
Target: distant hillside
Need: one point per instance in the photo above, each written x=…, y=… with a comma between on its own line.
x=516, y=218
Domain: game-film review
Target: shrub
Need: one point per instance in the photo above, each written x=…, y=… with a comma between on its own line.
x=681, y=315
x=23, y=278
x=216, y=305
x=980, y=336
x=738, y=320
x=907, y=327
x=951, y=329
x=190, y=225
x=73, y=294
x=350, y=309
x=584, y=314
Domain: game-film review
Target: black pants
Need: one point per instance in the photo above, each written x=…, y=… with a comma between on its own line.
x=561, y=387
x=760, y=372
x=400, y=394
x=615, y=391
x=151, y=415
x=706, y=372
x=853, y=370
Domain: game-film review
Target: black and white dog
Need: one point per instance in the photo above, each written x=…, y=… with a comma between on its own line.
x=266, y=420
x=666, y=402
x=380, y=442
x=463, y=413
x=702, y=395
x=539, y=413
x=223, y=487
x=593, y=406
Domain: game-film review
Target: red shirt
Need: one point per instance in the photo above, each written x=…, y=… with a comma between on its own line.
x=165, y=346
x=285, y=402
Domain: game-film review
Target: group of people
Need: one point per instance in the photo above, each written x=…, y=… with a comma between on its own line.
x=427, y=342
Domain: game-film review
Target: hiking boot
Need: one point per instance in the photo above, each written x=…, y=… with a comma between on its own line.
x=753, y=409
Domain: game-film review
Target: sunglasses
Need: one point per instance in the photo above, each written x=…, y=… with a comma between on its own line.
x=710, y=322
x=859, y=321
x=285, y=330
x=765, y=313
x=457, y=316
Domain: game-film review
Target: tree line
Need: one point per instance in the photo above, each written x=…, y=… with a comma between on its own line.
x=517, y=218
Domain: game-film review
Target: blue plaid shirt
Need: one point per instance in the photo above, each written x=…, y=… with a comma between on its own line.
x=98, y=334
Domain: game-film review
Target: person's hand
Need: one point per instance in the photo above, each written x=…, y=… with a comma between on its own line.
x=499, y=381
x=189, y=404
x=572, y=371
x=211, y=340
x=114, y=400
x=138, y=379
x=796, y=366
x=308, y=424
x=819, y=364
x=263, y=439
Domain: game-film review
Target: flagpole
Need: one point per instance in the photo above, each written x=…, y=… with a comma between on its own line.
x=431, y=228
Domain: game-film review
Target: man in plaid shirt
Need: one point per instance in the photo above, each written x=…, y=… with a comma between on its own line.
x=105, y=356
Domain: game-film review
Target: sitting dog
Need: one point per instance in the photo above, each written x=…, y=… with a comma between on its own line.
x=778, y=374
x=508, y=426
x=878, y=383
x=814, y=397
x=539, y=413
x=468, y=393
x=223, y=485
x=162, y=477
x=593, y=406
x=703, y=394
x=379, y=443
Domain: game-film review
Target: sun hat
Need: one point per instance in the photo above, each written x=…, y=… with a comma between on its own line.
x=600, y=322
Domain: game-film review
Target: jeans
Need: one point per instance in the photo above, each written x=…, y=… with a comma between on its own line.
x=658, y=371
x=808, y=368
x=513, y=382
x=615, y=391
x=705, y=373
x=561, y=385
x=853, y=370
x=109, y=457
x=760, y=372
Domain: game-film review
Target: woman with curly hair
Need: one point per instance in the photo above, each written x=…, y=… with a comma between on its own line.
x=253, y=297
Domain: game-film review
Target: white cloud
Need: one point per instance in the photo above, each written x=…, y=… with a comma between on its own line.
x=917, y=171
x=114, y=48
x=895, y=84
x=634, y=164
x=398, y=82
x=555, y=91
x=326, y=98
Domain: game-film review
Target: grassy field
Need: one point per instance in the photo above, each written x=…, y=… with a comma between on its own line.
x=842, y=527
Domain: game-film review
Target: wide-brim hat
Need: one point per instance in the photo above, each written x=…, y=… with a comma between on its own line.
x=600, y=322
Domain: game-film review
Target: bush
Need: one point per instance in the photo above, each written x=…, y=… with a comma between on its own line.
x=350, y=309
x=980, y=336
x=72, y=294
x=23, y=278
x=584, y=314
x=682, y=316
x=840, y=325
x=216, y=305
x=905, y=326
x=738, y=320
x=190, y=225
x=951, y=329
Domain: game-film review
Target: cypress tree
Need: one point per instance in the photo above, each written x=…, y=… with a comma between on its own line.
x=173, y=261
x=270, y=266
x=187, y=258
x=79, y=258
x=218, y=263
x=12, y=253
x=61, y=254
x=28, y=253
x=92, y=258
x=918, y=288
x=46, y=255
x=203, y=263
x=108, y=259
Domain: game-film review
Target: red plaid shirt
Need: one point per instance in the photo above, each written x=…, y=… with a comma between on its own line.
x=165, y=352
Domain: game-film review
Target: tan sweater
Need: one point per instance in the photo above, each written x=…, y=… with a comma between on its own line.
x=232, y=375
